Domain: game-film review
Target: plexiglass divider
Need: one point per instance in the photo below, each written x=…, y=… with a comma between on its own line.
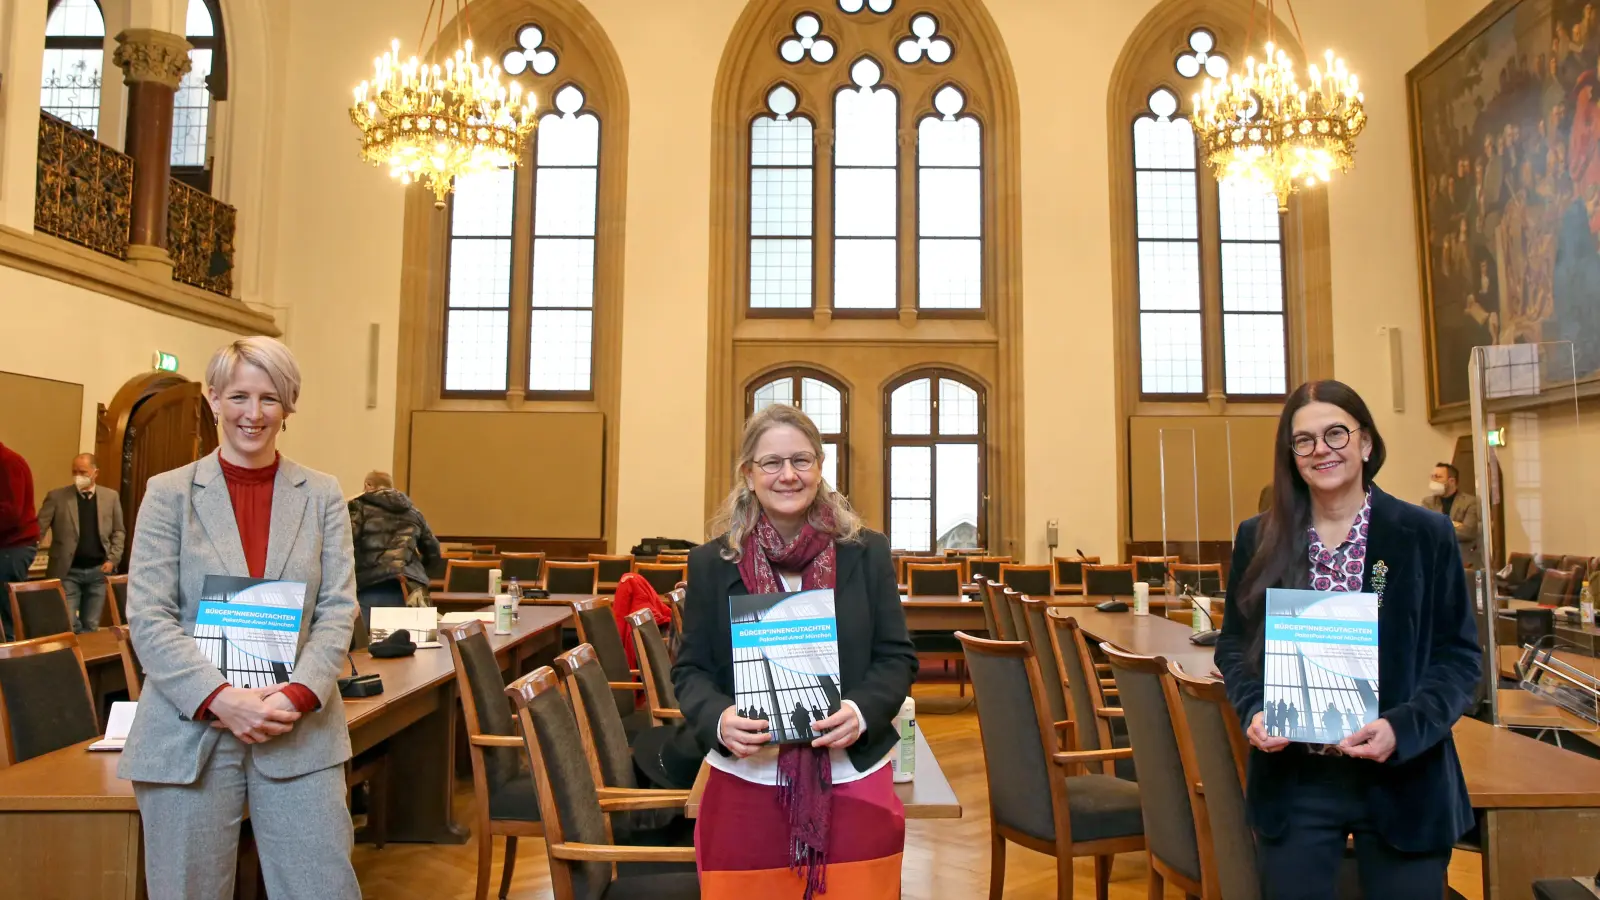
x=1528, y=574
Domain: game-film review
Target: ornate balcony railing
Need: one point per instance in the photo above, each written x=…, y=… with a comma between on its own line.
x=85, y=189
x=200, y=235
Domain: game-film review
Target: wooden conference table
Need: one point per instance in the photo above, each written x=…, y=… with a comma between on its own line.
x=952, y=613
x=69, y=827
x=1538, y=805
x=926, y=796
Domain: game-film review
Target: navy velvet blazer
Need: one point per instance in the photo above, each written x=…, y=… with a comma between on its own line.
x=1429, y=663
x=877, y=661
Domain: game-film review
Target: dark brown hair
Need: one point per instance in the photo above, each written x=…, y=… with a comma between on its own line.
x=1281, y=542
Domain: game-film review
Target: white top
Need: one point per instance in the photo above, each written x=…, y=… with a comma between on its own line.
x=762, y=768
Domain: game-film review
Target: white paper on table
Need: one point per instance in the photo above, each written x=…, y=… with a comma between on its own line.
x=457, y=618
x=118, y=724
x=421, y=621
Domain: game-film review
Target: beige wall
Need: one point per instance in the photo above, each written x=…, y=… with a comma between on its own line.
x=331, y=254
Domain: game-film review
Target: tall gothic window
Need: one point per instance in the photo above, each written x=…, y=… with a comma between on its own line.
x=899, y=156
x=191, y=107
x=74, y=60
x=513, y=273
x=1189, y=224
x=819, y=396
x=934, y=453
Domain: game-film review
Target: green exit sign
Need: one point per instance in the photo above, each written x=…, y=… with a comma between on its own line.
x=1497, y=437
x=166, y=362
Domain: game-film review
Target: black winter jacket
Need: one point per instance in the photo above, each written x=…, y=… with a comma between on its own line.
x=392, y=539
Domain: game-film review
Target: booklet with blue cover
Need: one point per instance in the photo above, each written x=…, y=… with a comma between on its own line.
x=1321, y=666
x=786, y=661
x=249, y=628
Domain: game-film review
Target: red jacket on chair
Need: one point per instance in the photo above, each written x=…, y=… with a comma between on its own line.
x=635, y=593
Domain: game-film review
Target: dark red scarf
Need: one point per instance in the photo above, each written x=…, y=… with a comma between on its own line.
x=805, y=774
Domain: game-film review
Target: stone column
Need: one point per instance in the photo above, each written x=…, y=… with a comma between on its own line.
x=152, y=63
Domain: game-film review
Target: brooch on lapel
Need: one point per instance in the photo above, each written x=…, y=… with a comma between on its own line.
x=1380, y=579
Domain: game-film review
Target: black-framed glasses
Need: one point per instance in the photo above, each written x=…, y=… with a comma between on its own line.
x=1336, y=437
x=772, y=465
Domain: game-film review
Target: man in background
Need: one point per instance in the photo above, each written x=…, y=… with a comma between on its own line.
x=394, y=546
x=1445, y=496
x=19, y=528
x=87, y=537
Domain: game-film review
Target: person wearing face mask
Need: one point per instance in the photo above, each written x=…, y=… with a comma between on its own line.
x=1395, y=784
x=795, y=822
x=1445, y=496
x=87, y=535
x=201, y=750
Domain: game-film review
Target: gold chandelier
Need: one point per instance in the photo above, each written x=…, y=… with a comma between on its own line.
x=1262, y=126
x=433, y=123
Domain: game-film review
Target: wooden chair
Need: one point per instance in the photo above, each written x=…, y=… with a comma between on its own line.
x=1148, y=696
x=987, y=566
x=605, y=743
x=672, y=559
x=655, y=667
x=903, y=561
x=526, y=568
x=572, y=577
x=1092, y=717
x=469, y=576
x=117, y=594
x=933, y=580
x=502, y=786
x=674, y=600
x=456, y=553
x=578, y=839
x=371, y=769
x=1035, y=614
x=39, y=608
x=1069, y=573
x=663, y=577
x=132, y=672
x=996, y=615
x=1011, y=606
x=1152, y=570
x=1214, y=751
x=1108, y=580
x=1036, y=581
x=612, y=567
x=482, y=551
x=1204, y=579
x=597, y=627
x=1030, y=782
x=45, y=700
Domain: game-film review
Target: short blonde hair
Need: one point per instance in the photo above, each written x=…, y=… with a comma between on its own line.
x=266, y=354
x=741, y=510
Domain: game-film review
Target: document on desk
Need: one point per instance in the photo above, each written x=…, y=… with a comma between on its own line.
x=118, y=724
x=1321, y=666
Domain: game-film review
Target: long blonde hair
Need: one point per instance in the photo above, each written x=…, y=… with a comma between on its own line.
x=741, y=510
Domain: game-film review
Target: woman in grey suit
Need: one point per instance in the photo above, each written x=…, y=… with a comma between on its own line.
x=202, y=750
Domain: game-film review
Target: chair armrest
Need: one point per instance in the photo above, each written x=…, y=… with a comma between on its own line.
x=665, y=713
x=1108, y=682
x=1110, y=692
x=1074, y=757
x=625, y=685
x=495, y=740
x=626, y=799
x=1109, y=712
x=612, y=853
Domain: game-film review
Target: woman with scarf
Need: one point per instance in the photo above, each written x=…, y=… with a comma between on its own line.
x=800, y=820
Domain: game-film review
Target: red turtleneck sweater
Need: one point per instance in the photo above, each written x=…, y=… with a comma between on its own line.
x=251, y=493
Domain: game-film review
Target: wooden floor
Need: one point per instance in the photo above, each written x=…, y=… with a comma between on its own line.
x=944, y=859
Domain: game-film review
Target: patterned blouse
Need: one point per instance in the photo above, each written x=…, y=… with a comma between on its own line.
x=1341, y=568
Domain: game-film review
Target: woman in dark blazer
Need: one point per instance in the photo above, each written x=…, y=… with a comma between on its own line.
x=781, y=824
x=1395, y=784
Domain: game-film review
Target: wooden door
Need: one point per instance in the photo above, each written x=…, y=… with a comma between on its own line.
x=156, y=423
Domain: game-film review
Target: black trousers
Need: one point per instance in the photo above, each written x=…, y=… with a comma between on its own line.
x=1330, y=804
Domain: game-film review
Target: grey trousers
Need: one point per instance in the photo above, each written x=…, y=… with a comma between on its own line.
x=302, y=831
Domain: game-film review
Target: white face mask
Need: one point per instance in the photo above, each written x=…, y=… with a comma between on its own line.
x=83, y=482
x=1436, y=488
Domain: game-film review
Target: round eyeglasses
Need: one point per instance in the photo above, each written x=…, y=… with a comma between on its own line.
x=772, y=465
x=1335, y=438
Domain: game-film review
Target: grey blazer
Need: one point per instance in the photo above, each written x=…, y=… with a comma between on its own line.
x=186, y=532
x=1465, y=514
x=60, y=512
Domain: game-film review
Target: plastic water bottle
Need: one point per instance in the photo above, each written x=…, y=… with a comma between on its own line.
x=904, y=757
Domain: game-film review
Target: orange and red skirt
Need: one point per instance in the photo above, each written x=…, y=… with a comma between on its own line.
x=741, y=841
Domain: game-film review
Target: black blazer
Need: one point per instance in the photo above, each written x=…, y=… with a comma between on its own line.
x=876, y=658
x=1429, y=663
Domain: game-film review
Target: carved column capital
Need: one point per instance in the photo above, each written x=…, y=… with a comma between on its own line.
x=145, y=54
